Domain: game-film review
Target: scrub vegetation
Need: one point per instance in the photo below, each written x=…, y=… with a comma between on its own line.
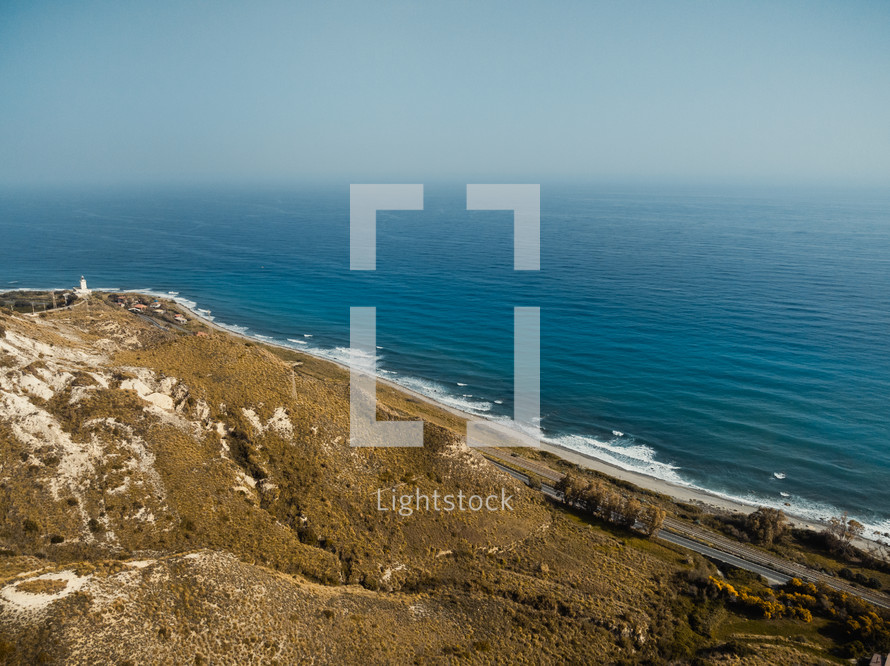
x=195, y=499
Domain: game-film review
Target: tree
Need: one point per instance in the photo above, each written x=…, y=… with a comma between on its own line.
x=842, y=531
x=611, y=506
x=534, y=481
x=571, y=487
x=593, y=496
x=652, y=519
x=630, y=511
x=766, y=525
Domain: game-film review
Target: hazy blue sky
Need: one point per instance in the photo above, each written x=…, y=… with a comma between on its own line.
x=107, y=92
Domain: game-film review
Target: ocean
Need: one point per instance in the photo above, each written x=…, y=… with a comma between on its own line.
x=736, y=343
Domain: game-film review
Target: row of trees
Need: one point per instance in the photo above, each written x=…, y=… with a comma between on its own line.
x=768, y=526
x=600, y=500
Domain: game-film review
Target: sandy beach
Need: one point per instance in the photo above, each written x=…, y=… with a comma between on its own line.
x=697, y=496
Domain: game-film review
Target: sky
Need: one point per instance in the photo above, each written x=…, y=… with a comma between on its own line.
x=288, y=92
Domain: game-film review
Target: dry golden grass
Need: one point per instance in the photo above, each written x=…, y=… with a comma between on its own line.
x=250, y=468
x=42, y=586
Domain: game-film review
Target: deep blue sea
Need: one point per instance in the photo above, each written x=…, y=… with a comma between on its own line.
x=735, y=343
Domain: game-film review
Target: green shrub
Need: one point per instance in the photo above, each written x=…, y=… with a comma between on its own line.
x=739, y=649
x=482, y=646
x=307, y=535
x=766, y=525
x=681, y=645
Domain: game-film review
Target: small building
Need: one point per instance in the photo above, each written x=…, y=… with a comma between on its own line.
x=202, y=334
x=180, y=319
x=139, y=306
x=156, y=305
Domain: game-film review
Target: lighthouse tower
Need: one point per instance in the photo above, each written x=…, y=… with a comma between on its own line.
x=83, y=292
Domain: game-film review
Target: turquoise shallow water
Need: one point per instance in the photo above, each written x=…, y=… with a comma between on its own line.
x=739, y=344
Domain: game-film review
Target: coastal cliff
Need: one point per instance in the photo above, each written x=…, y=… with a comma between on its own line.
x=168, y=497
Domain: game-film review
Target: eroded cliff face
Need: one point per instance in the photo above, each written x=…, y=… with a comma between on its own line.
x=173, y=498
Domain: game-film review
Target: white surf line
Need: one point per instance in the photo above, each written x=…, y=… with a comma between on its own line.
x=638, y=477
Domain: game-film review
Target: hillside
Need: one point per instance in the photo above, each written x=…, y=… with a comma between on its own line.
x=173, y=498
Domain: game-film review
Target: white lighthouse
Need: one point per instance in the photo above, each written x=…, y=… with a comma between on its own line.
x=83, y=292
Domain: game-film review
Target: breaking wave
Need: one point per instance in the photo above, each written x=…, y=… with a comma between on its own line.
x=622, y=451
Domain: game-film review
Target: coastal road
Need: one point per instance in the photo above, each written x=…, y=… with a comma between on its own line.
x=776, y=570
x=151, y=321
x=775, y=563
x=773, y=577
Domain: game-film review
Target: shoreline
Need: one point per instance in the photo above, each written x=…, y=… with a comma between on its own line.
x=710, y=501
